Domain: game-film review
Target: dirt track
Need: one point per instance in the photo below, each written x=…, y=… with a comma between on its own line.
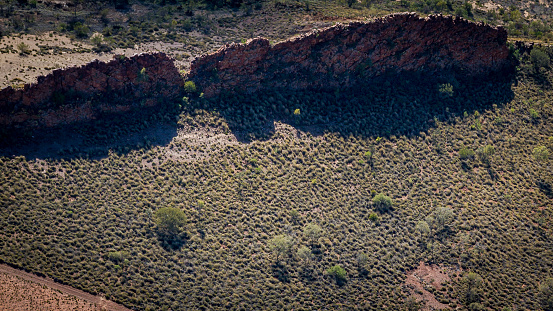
x=100, y=302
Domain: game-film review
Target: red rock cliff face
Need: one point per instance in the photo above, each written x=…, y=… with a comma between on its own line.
x=82, y=93
x=348, y=55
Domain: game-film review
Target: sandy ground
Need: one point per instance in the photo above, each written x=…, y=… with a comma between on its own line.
x=25, y=291
x=50, y=51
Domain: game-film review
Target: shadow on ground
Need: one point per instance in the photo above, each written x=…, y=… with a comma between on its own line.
x=406, y=105
x=385, y=107
x=119, y=133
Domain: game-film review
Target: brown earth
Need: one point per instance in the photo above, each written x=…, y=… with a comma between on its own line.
x=20, y=291
x=425, y=277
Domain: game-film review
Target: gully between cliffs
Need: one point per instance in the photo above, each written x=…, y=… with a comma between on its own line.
x=342, y=56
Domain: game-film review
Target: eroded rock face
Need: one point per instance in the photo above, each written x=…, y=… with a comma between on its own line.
x=82, y=93
x=342, y=56
x=346, y=56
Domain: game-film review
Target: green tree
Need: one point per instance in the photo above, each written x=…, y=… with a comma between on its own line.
x=445, y=90
x=373, y=217
x=545, y=295
x=466, y=153
x=190, y=87
x=534, y=114
x=23, y=48
x=411, y=304
x=423, y=229
x=305, y=254
x=471, y=288
x=312, y=232
x=443, y=216
x=142, y=75
x=476, y=306
x=541, y=153
x=97, y=39
x=485, y=153
x=337, y=272
x=382, y=202
x=281, y=245
x=118, y=257
x=170, y=220
x=539, y=58
x=362, y=260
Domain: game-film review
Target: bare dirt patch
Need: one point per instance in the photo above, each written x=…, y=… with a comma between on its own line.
x=25, y=291
x=421, y=281
x=20, y=294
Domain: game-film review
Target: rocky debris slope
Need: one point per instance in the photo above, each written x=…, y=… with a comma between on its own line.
x=82, y=93
x=344, y=56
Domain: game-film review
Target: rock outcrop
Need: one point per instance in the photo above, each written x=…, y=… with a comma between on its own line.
x=82, y=93
x=338, y=57
x=345, y=56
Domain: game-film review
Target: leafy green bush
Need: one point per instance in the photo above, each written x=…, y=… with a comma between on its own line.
x=440, y=218
x=170, y=220
x=23, y=48
x=545, y=295
x=423, y=229
x=118, y=256
x=281, y=245
x=313, y=232
x=534, y=114
x=337, y=272
x=81, y=30
x=466, y=153
x=382, y=202
x=97, y=39
x=142, y=75
x=541, y=153
x=373, y=217
x=471, y=290
x=485, y=153
x=446, y=90
x=539, y=58
x=190, y=87
x=305, y=254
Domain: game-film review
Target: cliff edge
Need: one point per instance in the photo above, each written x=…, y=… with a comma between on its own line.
x=344, y=56
x=82, y=93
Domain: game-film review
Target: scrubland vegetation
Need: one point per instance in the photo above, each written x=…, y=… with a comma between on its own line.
x=205, y=25
x=290, y=200
x=304, y=200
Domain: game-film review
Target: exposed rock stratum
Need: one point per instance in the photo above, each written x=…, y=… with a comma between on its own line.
x=344, y=56
x=82, y=93
x=338, y=57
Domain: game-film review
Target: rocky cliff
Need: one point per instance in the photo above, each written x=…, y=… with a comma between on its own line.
x=342, y=56
x=82, y=93
x=345, y=56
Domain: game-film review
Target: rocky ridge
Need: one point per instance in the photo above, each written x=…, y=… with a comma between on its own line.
x=338, y=57
x=344, y=56
x=82, y=93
